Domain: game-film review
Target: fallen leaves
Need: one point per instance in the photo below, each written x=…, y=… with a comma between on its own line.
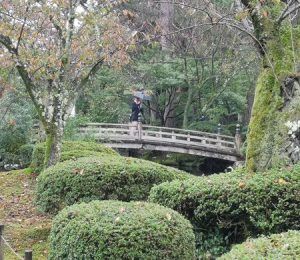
x=18, y=213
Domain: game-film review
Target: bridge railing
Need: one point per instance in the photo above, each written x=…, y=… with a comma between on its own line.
x=109, y=131
x=188, y=132
x=128, y=132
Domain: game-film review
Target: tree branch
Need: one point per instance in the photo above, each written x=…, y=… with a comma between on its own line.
x=286, y=12
x=59, y=31
x=29, y=85
x=91, y=73
x=7, y=43
x=22, y=28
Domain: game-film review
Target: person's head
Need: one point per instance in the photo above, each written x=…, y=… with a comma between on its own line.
x=137, y=100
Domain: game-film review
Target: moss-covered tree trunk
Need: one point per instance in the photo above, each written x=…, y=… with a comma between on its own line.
x=277, y=100
x=53, y=146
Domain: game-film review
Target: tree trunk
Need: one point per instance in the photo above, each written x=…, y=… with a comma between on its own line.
x=187, y=107
x=56, y=112
x=250, y=100
x=169, y=113
x=165, y=21
x=268, y=134
x=54, y=136
x=153, y=112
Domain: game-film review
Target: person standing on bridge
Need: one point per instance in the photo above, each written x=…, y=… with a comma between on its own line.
x=136, y=109
x=135, y=113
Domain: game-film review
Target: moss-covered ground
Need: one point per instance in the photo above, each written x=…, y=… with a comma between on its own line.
x=25, y=228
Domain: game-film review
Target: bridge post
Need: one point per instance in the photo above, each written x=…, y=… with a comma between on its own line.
x=1, y=243
x=139, y=126
x=219, y=132
x=238, y=138
x=173, y=135
x=219, y=129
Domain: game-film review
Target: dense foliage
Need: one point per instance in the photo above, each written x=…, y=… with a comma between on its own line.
x=70, y=150
x=278, y=246
x=106, y=100
x=229, y=207
x=16, y=121
x=120, y=230
x=11, y=140
x=25, y=154
x=102, y=177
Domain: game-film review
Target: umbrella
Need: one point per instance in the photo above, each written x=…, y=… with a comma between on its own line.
x=141, y=95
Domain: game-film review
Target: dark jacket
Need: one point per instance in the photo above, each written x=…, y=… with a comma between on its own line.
x=136, y=109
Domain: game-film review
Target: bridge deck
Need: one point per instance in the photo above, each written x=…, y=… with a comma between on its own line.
x=163, y=139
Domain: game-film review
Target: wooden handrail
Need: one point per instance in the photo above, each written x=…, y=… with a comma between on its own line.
x=161, y=128
x=182, y=136
x=191, y=137
x=165, y=139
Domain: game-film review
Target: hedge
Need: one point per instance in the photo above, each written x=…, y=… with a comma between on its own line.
x=105, y=177
x=120, y=230
x=70, y=150
x=278, y=246
x=227, y=208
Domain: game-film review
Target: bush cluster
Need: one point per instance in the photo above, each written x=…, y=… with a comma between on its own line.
x=25, y=154
x=105, y=177
x=229, y=207
x=121, y=230
x=12, y=138
x=278, y=246
x=70, y=150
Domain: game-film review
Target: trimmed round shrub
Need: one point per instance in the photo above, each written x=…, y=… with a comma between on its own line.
x=121, y=230
x=105, y=177
x=70, y=150
x=227, y=208
x=278, y=246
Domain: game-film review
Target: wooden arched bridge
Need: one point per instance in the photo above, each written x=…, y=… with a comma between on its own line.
x=165, y=139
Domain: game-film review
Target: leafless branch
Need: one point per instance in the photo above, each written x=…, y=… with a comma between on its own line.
x=22, y=28
x=92, y=72
x=289, y=9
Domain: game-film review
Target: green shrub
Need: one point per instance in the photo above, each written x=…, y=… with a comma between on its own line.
x=71, y=129
x=105, y=177
x=121, y=230
x=12, y=137
x=70, y=150
x=25, y=154
x=278, y=246
x=72, y=155
x=234, y=205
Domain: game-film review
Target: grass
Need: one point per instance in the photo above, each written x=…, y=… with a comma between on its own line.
x=25, y=228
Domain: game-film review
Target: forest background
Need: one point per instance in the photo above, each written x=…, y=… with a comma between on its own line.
x=199, y=60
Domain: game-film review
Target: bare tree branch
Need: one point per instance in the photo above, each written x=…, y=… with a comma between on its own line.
x=91, y=73
x=7, y=43
x=287, y=11
x=22, y=28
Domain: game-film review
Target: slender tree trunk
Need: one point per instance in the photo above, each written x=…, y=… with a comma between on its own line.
x=169, y=114
x=250, y=100
x=189, y=97
x=187, y=107
x=153, y=114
